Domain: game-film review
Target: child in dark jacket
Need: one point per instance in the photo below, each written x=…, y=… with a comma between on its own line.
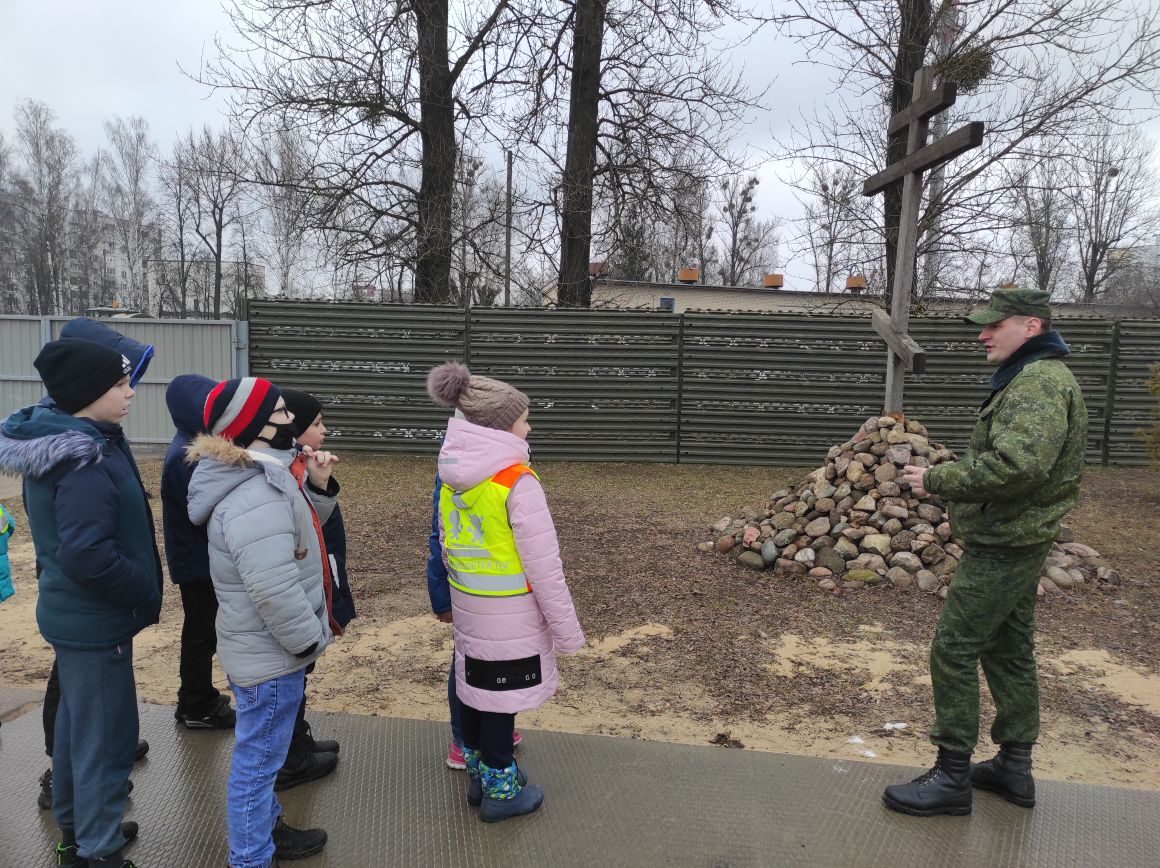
x=139, y=356
x=99, y=573
x=200, y=705
x=309, y=759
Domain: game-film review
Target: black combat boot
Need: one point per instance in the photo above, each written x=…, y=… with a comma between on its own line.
x=1008, y=774
x=304, y=765
x=945, y=789
x=292, y=844
x=327, y=745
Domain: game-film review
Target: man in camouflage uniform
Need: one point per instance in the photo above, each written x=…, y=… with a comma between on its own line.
x=1020, y=476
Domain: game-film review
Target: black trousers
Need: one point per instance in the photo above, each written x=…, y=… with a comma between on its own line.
x=197, y=695
x=490, y=733
x=51, y=703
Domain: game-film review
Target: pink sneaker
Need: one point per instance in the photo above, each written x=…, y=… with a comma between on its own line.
x=455, y=758
x=517, y=737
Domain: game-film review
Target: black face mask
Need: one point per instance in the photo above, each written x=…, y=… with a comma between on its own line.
x=283, y=436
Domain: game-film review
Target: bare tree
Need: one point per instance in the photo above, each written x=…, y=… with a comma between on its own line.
x=214, y=165
x=651, y=111
x=282, y=168
x=128, y=199
x=44, y=189
x=1036, y=70
x=178, y=236
x=380, y=86
x=837, y=227
x=1042, y=219
x=748, y=246
x=1114, y=190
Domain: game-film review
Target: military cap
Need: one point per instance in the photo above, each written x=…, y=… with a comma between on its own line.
x=1012, y=302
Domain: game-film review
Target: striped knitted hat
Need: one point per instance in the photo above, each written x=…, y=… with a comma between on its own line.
x=238, y=410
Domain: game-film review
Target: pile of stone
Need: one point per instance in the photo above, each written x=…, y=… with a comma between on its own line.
x=851, y=523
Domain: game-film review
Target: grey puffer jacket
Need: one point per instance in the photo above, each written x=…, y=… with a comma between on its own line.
x=271, y=604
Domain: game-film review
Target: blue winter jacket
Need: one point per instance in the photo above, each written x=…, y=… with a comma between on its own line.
x=438, y=588
x=186, y=544
x=334, y=535
x=98, y=565
x=7, y=527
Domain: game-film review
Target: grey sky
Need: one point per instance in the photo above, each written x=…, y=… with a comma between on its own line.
x=90, y=60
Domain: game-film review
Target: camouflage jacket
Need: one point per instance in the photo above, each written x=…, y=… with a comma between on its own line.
x=1021, y=473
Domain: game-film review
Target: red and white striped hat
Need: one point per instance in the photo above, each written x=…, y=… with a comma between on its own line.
x=239, y=409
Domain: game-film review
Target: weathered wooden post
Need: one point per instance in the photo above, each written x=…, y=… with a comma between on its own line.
x=903, y=353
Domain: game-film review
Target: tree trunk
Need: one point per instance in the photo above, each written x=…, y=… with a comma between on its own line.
x=437, y=131
x=914, y=35
x=574, y=288
x=217, y=270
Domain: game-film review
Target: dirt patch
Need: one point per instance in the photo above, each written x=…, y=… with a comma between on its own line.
x=692, y=648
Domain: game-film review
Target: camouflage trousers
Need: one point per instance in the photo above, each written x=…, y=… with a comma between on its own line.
x=988, y=618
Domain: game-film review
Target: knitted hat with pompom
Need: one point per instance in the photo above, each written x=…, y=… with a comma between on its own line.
x=482, y=400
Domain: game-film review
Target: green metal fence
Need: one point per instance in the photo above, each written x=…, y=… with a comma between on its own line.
x=714, y=387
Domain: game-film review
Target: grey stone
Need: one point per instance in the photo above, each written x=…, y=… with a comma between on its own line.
x=899, y=577
x=832, y=559
x=928, y=581
x=818, y=527
x=906, y=560
x=930, y=513
x=769, y=552
x=878, y=543
x=752, y=560
x=784, y=537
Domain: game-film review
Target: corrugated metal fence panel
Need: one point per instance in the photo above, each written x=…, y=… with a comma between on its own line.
x=182, y=347
x=603, y=384
x=775, y=388
x=715, y=387
x=781, y=388
x=20, y=341
x=367, y=363
x=1138, y=350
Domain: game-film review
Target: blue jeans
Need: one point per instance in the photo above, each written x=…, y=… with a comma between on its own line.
x=453, y=705
x=95, y=739
x=265, y=724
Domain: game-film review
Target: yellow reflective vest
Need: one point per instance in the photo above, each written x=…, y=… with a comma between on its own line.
x=482, y=559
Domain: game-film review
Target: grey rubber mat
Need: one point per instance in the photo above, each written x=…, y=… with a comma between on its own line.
x=610, y=802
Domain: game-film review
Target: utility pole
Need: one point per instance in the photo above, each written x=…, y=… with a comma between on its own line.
x=507, y=247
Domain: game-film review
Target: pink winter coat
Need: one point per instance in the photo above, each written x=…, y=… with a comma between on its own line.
x=510, y=628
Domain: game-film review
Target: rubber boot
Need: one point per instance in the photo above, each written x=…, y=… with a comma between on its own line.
x=1008, y=774
x=474, y=783
x=945, y=789
x=292, y=844
x=504, y=796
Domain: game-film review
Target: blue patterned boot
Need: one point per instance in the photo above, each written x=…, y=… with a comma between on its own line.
x=475, y=784
x=506, y=793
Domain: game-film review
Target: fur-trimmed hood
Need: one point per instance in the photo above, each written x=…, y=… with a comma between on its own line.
x=222, y=466
x=37, y=439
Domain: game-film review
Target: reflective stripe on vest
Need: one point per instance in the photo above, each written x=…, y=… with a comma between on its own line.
x=482, y=559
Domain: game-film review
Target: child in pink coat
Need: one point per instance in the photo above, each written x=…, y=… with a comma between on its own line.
x=511, y=607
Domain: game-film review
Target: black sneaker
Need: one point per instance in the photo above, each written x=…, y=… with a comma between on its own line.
x=221, y=716
x=66, y=854
x=292, y=844
x=142, y=749
x=44, y=800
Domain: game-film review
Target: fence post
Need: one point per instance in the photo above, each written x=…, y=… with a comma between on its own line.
x=467, y=337
x=1110, y=398
x=680, y=378
x=241, y=336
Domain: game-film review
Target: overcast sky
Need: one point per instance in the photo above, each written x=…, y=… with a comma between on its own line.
x=90, y=60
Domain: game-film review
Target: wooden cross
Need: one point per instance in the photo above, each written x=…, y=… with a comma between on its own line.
x=903, y=353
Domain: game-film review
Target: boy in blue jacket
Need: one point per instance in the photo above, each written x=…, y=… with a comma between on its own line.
x=139, y=356
x=200, y=705
x=100, y=583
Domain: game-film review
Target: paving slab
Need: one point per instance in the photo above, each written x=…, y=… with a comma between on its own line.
x=15, y=701
x=610, y=802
